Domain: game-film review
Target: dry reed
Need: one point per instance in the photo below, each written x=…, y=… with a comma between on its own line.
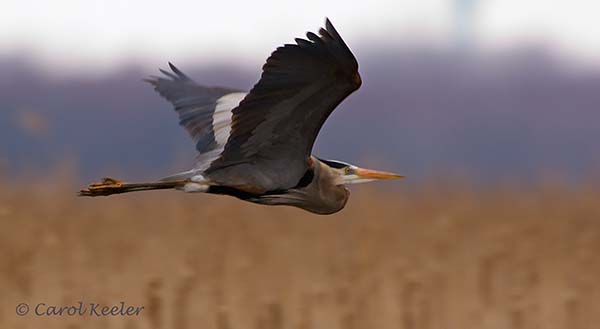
x=442, y=256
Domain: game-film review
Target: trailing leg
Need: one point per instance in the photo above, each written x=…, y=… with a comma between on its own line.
x=110, y=186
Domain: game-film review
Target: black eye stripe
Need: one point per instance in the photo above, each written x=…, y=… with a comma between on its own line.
x=334, y=164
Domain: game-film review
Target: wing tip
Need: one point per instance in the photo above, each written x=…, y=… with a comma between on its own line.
x=313, y=37
x=178, y=72
x=178, y=76
x=332, y=31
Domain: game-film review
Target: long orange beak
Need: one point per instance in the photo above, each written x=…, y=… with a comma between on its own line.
x=374, y=174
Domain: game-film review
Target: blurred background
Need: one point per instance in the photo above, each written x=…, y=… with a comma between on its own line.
x=488, y=89
x=490, y=107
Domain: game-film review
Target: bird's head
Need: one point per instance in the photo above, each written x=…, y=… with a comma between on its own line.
x=351, y=174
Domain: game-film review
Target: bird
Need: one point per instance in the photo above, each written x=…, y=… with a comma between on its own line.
x=257, y=145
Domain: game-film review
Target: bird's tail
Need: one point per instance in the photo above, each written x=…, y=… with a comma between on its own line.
x=110, y=186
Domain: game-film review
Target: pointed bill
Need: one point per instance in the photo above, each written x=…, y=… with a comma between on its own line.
x=375, y=174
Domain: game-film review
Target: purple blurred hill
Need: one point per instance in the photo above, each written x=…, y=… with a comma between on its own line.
x=421, y=112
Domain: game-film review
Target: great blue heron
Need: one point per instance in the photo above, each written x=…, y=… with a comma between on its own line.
x=257, y=146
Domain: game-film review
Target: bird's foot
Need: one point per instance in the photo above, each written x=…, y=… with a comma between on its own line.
x=106, y=187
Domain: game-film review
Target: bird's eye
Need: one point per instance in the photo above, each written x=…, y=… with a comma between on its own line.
x=347, y=170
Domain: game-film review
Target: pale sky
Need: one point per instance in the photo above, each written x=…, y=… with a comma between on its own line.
x=99, y=33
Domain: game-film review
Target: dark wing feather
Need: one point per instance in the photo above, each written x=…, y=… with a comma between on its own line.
x=195, y=104
x=276, y=124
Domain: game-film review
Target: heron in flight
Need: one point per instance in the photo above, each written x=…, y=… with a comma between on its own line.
x=256, y=146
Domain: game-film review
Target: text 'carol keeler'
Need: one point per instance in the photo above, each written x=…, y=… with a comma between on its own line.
x=80, y=309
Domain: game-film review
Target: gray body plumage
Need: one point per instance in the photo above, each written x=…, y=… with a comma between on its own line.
x=321, y=194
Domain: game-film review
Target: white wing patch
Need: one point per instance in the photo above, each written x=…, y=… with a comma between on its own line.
x=221, y=125
x=222, y=116
x=221, y=128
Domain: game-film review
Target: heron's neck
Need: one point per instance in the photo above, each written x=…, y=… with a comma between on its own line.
x=327, y=175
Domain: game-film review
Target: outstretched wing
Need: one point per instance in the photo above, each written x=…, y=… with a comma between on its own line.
x=205, y=112
x=276, y=124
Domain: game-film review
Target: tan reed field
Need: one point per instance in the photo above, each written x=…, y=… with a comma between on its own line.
x=442, y=256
